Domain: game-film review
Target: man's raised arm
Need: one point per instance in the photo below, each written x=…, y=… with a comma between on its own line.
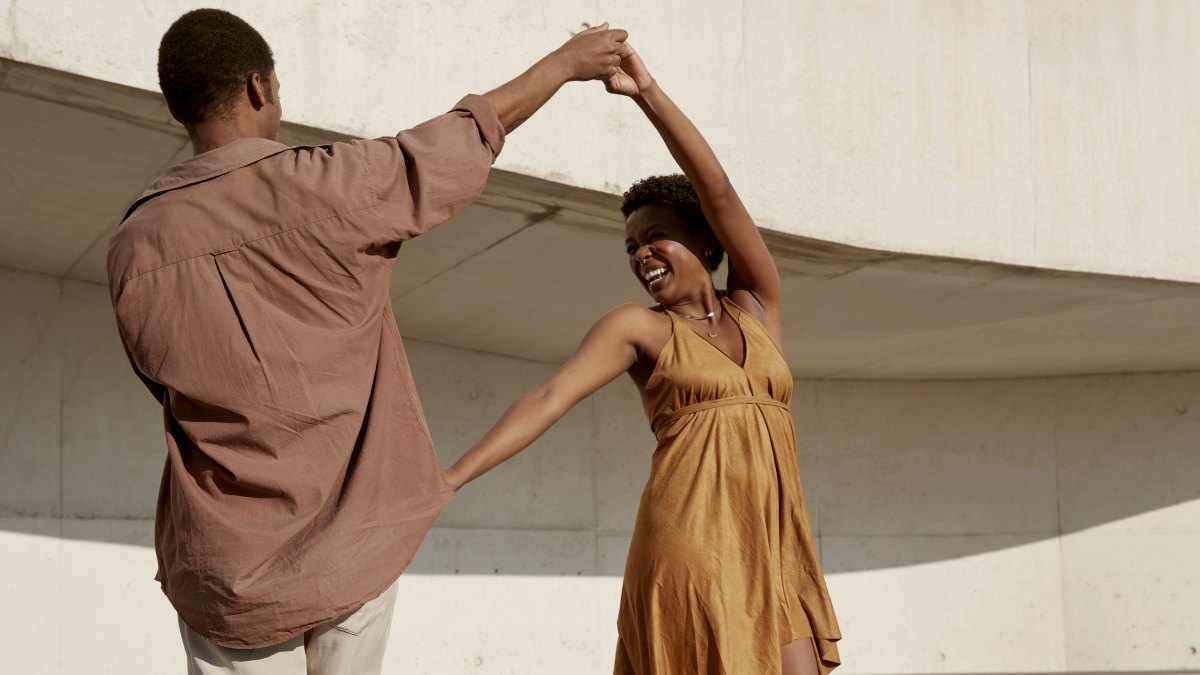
x=591, y=54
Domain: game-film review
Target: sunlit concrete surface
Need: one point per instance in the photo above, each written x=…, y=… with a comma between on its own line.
x=1058, y=134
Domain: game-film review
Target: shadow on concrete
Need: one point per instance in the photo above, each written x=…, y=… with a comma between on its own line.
x=583, y=553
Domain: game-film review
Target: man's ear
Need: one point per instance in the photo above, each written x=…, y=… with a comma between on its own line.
x=258, y=90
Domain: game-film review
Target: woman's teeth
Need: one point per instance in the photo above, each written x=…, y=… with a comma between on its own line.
x=654, y=275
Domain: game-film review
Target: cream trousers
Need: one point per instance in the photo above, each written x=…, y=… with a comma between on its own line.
x=350, y=645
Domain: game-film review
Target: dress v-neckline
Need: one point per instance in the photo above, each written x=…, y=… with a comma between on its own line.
x=741, y=331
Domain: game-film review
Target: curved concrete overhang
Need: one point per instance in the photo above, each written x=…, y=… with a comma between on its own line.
x=525, y=270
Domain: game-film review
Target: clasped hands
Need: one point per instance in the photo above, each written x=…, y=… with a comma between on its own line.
x=602, y=53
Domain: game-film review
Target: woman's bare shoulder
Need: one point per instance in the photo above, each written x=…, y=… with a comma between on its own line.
x=631, y=311
x=645, y=327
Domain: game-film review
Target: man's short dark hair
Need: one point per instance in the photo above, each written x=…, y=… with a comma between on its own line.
x=675, y=192
x=204, y=61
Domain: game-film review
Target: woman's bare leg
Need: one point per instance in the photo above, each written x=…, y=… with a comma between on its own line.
x=799, y=657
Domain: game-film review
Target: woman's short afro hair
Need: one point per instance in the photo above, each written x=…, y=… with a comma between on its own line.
x=675, y=192
x=204, y=60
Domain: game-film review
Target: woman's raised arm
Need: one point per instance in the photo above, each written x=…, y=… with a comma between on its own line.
x=750, y=265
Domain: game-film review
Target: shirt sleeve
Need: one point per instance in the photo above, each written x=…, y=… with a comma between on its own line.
x=423, y=176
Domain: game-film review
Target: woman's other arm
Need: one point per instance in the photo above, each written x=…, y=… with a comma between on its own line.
x=607, y=350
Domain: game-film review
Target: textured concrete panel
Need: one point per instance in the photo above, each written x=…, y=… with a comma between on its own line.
x=1129, y=453
x=993, y=613
x=1131, y=600
x=32, y=595
x=904, y=123
x=624, y=445
x=548, y=486
x=29, y=396
x=114, y=617
x=808, y=448
x=612, y=550
x=443, y=249
x=55, y=210
x=512, y=292
x=506, y=552
x=112, y=431
x=1114, y=152
x=936, y=458
x=493, y=625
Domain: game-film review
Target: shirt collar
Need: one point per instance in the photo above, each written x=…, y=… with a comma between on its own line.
x=208, y=165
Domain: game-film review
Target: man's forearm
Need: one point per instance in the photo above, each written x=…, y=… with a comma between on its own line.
x=518, y=99
x=589, y=54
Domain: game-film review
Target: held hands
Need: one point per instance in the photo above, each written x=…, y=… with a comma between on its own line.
x=631, y=77
x=454, y=478
x=593, y=53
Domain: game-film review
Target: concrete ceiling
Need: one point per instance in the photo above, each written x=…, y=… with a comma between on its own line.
x=527, y=268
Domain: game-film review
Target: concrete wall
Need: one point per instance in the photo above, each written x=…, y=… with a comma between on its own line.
x=1052, y=133
x=966, y=527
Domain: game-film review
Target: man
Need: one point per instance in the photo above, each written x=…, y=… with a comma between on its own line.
x=250, y=285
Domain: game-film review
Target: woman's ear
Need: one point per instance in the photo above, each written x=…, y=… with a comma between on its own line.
x=712, y=259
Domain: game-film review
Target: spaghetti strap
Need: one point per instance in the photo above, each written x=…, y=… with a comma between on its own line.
x=667, y=350
x=758, y=323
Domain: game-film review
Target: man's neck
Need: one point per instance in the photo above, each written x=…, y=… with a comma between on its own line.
x=212, y=134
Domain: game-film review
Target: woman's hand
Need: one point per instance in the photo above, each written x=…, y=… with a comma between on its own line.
x=632, y=77
x=454, y=479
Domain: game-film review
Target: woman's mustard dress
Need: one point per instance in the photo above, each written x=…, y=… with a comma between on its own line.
x=722, y=569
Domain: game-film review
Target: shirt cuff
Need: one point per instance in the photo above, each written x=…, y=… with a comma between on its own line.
x=486, y=118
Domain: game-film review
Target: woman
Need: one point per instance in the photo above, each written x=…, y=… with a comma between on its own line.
x=722, y=575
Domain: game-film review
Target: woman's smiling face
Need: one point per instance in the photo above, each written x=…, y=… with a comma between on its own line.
x=665, y=255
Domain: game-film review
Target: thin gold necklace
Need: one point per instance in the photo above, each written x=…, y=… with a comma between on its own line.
x=711, y=313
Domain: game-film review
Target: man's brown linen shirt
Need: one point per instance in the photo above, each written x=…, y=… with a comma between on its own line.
x=251, y=291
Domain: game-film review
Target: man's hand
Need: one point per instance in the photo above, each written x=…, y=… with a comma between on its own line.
x=631, y=77
x=590, y=54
